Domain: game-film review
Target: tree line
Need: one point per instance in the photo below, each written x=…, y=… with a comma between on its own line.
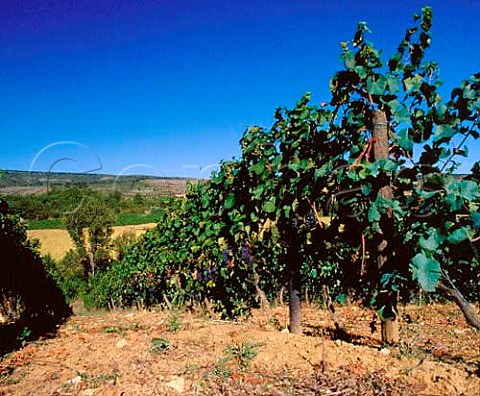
x=51, y=209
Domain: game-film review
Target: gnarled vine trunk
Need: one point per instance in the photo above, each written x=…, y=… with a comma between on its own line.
x=261, y=296
x=294, y=286
x=469, y=312
x=295, y=305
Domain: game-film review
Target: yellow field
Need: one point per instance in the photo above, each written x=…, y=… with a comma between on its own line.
x=57, y=242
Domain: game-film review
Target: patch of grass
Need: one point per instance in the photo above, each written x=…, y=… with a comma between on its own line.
x=238, y=357
x=123, y=219
x=132, y=326
x=159, y=346
x=137, y=218
x=47, y=224
x=243, y=353
x=407, y=345
x=24, y=335
x=99, y=379
x=191, y=367
x=121, y=329
x=174, y=323
x=114, y=329
x=223, y=367
x=92, y=381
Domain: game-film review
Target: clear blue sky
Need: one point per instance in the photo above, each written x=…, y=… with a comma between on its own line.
x=168, y=87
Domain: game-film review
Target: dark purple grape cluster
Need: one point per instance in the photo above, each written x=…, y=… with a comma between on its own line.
x=226, y=256
x=206, y=275
x=245, y=253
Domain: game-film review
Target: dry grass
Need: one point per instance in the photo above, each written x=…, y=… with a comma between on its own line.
x=57, y=242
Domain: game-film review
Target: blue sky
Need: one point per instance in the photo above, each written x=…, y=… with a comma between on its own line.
x=168, y=87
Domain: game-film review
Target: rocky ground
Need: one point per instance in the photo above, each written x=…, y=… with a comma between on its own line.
x=162, y=352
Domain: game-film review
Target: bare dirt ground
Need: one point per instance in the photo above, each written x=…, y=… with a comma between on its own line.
x=172, y=352
x=57, y=242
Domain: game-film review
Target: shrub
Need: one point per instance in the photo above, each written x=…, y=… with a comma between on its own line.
x=68, y=274
x=25, y=283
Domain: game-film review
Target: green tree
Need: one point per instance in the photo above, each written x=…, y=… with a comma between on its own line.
x=115, y=200
x=90, y=227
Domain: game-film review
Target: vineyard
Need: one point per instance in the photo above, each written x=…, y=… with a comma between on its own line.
x=355, y=200
x=379, y=159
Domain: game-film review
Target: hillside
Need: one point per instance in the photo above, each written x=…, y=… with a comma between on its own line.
x=44, y=199
x=25, y=182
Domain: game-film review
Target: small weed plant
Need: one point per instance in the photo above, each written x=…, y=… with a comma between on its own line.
x=159, y=346
x=238, y=357
x=114, y=330
x=174, y=322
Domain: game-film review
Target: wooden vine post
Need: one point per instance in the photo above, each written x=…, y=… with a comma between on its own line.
x=380, y=150
x=294, y=285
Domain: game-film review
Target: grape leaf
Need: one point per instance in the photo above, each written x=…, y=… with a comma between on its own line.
x=426, y=271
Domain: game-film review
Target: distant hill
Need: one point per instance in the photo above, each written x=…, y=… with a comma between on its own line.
x=25, y=183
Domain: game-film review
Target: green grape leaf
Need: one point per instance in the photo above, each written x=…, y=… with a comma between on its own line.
x=426, y=271
x=373, y=214
x=458, y=236
x=269, y=206
x=393, y=84
x=349, y=59
x=432, y=242
x=475, y=217
x=469, y=189
x=376, y=86
x=404, y=140
x=230, y=201
x=443, y=131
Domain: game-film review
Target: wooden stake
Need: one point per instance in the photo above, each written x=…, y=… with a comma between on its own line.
x=380, y=151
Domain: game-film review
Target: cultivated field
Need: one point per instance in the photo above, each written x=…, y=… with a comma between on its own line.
x=177, y=353
x=57, y=242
